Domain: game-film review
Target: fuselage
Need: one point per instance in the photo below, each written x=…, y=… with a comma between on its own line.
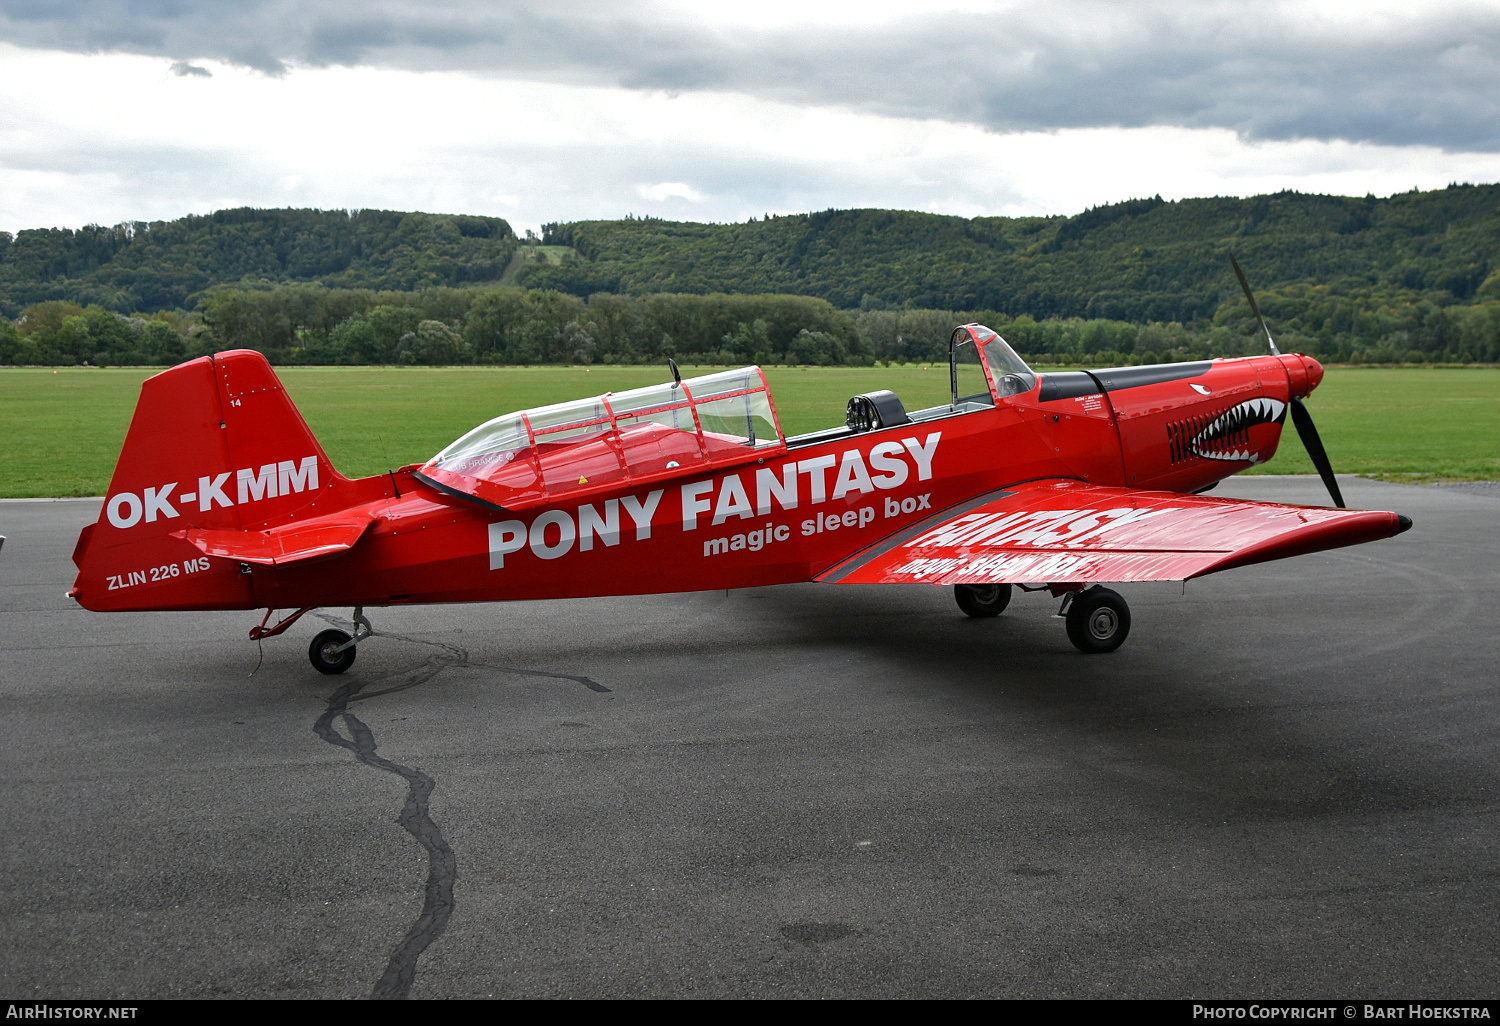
x=784, y=518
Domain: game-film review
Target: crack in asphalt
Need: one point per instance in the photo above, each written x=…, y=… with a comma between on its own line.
x=442, y=867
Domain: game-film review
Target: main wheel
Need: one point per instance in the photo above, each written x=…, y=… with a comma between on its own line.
x=324, y=655
x=982, y=599
x=1098, y=621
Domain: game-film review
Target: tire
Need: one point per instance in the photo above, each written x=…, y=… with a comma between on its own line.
x=323, y=656
x=1098, y=621
x=982, y=599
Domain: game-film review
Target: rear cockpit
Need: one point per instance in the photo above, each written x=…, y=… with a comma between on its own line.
x=589, y=445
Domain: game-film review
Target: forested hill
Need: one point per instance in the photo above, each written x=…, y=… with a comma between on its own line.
x=1141, y=260
x=146, y=267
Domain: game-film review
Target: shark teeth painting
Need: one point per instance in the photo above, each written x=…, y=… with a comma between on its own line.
x=1227, y=436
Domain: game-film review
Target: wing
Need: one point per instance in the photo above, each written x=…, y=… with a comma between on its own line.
x=1064, y=532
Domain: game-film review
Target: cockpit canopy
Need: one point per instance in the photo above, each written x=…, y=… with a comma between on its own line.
x=646, y=434
x=577, y=448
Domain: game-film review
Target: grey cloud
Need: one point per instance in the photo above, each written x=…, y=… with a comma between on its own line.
x=349, y=42
x=1265, y=71
x=260, y=58
x=182, y=69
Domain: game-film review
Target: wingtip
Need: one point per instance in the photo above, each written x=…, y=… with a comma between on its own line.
x=1403, y=524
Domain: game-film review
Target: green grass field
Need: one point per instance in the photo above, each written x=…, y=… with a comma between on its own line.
x=64, y=428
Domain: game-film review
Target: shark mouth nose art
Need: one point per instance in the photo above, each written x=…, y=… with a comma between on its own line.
x=1227, y=436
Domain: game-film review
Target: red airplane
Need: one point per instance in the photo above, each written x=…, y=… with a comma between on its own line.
x=1058, y=481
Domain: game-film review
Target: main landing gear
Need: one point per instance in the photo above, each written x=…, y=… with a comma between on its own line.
x=982, y=599
x=1098, y=619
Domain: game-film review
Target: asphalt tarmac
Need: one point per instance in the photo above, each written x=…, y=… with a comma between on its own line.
x=1286, y=784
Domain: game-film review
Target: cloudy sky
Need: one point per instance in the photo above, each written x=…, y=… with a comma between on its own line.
x=542, y=110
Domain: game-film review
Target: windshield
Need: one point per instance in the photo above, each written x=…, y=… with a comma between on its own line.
x=1007, y=372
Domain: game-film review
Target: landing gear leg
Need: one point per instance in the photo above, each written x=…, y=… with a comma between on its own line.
x=332, y=651
x=1098, y=619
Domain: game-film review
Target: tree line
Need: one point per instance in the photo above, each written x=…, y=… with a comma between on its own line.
x=313, y=324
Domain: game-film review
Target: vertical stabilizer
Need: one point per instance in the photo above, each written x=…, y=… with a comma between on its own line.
x=215, y=444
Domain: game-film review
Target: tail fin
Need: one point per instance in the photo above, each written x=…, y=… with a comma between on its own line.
x=215, y=444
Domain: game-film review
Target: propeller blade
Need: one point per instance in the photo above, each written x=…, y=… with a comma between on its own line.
x=1308, y=432
x=1306, y=429
x=1254, y=307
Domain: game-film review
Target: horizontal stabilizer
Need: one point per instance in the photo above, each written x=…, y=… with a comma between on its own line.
x=1065, y=532
x=298, y=542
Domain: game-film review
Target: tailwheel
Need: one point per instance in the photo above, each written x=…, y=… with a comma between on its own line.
x=328, y=653
x=1098, y=620
x=982, y=599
